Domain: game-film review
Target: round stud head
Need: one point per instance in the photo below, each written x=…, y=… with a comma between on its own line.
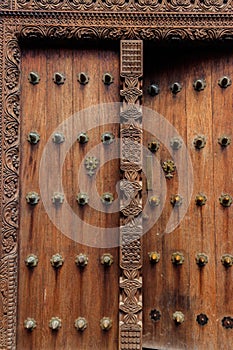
x=105, y=323
x=199, y=84
x=106, y=259
x=155, y=315
x=81, y=260
x=199, y=142
x=107, y=79
x=154, y=257
x=176, y=143
x=83, y=78
x=176, y=87
x=227, y=322
x=58, y=198
x=225, y=200
x=58, y=137
x=57, y=260
x=200, y=199
x=82, y=199
x=80, y=324
x=55, y=323
x=153, y=89
x=32, y=198
x=202, y=319
x=227, y=260
x=82, y=138
x=107, y=138
x=224, y=82
x=59, y=78
x=33, y=78
x=31, y=260
x=154, y=201
x=177, y=258
x=30, y=324
x=153, y=146
x=201, y=259
x=224, y=140
x=107, y=198
x=178, y=317
x=33, y=137
x=176, y=200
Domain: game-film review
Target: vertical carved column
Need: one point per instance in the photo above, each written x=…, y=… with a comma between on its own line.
x=130, y=327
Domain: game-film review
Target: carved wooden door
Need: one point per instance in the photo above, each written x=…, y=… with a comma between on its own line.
x=187, y=276
x=68, y=271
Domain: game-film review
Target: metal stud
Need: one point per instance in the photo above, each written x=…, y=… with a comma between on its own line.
x=58, y=198
x=155, y=315
x=81, y=260
x=59, y=78
x=176, y=143
x=82, y=138
x=202, y=319
x=153, y=146
x=82, y=198
x=80, y=324
x=224, y=82
x=58, y=137
x=201, y=259
x=169, y=168
x=33, y=78
x=176, y=87
x=199, y=141
x=227, y=322
x=107, y=138
x=154, y=201
x=200, y=199
x=105, y=323
x=107, y=79
x=227, y=260
x=32, y=198
x=31, y=260
x=153, y=89
x=91, y=164
x=83, y=78
x=107, y=198
x=224, y=140
x=177, y=258
x=106, y=259
x=154, y=257
x=199, y=84
x=225, y=200
x=57, y=260
x=176, y=200
x=33, y=137
x=178, y=317
x=30, y=324
x=55, y=323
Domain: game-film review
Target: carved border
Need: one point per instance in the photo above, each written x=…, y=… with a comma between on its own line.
x=64, y=25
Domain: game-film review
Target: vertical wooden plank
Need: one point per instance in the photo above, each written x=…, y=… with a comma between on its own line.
x=130, y=325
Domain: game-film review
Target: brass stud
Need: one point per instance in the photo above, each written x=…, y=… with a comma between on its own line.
x=227, y=322
x=199, y=84
x=33, y=137
x=201, y=259
x=153, y=89
x=106, y=259
x=59, y=78
x=155, y=315
x=55, y=323
x=32, y=198
x=169, y=168
x=227, y=260
x=81, y=260
x=31, y=260
x=153, y=146
x=176, y=143
x=224, y=82
x=105, y=323
x=176, y=87
x=154, y=201
x=178, y=317
x=30, y=324
x=199, y=142
x=58, y=137
x=83, y=78
x=154, y=257
x=57, y=260
x=107, y=79
x=200, y=199
x=202, y=319
x=58, y=198
x=82, y=198
x=107, y=138
x=177, y=258
x=80, y=324
x=225, y=200
x=82, y=138
x=33, y=78
x=224, y=140
x=176, y=200
x=107, y=198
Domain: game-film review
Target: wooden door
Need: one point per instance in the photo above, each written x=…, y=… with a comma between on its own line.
x=200, y=291
x=65, y=291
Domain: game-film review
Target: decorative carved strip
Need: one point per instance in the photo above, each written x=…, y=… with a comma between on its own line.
x=130, y=328
x=126, y=5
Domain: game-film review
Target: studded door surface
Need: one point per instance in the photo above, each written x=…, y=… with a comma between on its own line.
x=187, y=273
x=68, y=270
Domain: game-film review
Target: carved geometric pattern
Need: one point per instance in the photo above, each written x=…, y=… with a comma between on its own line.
x=130, y=203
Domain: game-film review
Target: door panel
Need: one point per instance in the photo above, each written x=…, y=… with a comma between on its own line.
x=189, y=288
x=67, y=292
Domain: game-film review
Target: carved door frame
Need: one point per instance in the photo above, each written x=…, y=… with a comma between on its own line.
x=101, y=19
